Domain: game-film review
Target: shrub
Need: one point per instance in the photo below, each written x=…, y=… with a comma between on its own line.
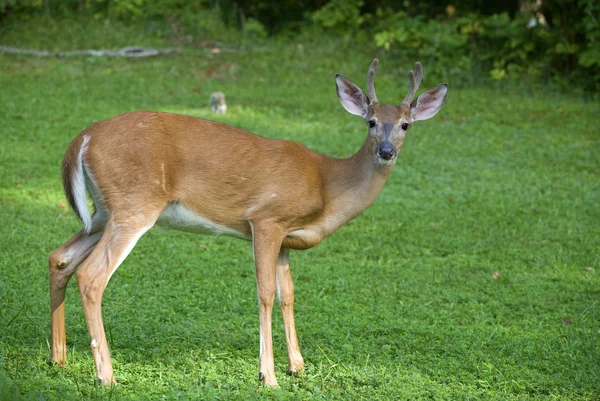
x=505, y=47
x=340, y=15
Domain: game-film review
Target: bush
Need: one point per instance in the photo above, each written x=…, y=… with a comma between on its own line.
x=340, y=15
x=434, y=42
x=505, y=47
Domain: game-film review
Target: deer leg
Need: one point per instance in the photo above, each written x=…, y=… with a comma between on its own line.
x=62, y=263
x=285, y=293
x=92, y=277
x=266, y=241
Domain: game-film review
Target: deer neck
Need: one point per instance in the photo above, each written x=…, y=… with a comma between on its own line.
x=353, y=184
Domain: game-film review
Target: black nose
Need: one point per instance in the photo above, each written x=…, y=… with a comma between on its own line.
x=386, y=151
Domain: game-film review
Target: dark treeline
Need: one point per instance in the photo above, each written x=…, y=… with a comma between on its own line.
x=556, y=40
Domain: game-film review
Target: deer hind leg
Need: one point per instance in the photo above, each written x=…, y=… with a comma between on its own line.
x=62, y=264
x=266, y=243
x=285, y=293
x=117, y=241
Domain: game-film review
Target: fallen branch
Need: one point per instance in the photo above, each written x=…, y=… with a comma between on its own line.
x=129, y=51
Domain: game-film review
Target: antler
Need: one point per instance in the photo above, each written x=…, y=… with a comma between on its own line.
x=370, y=86
x=415, y=81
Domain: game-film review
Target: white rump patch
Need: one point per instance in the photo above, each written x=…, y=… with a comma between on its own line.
x=82, y=178
x=101, y=213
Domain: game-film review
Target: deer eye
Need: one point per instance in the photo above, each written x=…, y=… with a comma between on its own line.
x=371, y=123
x=405, y=126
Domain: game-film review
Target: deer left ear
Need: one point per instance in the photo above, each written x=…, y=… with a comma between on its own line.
x=429, y=103
x=351, y=96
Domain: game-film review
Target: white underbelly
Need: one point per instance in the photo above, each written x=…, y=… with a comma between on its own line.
x=308, y=235
x=177, y=217
x=314, y=233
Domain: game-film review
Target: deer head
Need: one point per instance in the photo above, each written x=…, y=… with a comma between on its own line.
x=388, y=123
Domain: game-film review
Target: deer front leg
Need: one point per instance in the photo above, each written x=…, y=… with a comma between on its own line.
x=266, y=239
x=285, y=293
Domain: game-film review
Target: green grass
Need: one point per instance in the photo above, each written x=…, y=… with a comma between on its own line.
x=398, y=304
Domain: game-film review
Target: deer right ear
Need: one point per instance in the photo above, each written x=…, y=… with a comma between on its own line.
x=351, y=96
x=429, y=103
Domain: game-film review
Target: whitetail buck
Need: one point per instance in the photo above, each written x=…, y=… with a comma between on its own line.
x=145, y=168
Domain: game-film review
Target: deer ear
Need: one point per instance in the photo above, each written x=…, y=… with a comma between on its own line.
x=429, y=103
x=351, y=96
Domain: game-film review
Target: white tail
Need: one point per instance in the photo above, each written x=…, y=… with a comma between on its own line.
x=74, y=185
x=146, y=168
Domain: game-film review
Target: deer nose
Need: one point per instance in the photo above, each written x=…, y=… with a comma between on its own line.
x=386, y=150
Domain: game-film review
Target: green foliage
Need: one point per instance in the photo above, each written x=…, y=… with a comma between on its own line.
x=505, y=47
x=4, y=4
x=23, y=5
x=550, y=41
x=589, y=56
x=340, y=15
x=128, y=9
x=434, y=42
x=119, y=9
x=254, y=30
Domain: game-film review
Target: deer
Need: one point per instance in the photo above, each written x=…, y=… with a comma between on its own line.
x=147, y=168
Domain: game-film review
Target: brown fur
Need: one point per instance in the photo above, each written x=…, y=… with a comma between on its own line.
x=222, y=173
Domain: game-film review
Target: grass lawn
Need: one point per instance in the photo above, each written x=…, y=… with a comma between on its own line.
x=401, y=303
